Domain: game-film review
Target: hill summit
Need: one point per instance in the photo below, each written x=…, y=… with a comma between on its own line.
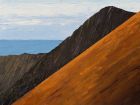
x=40, y=68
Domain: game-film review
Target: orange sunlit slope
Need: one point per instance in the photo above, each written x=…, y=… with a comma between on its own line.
x=108, y=73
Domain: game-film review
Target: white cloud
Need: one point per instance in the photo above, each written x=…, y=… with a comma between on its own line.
x=62, y=8
x=21, y=22
x=27, y=10
x=3, y=28
x=31, y=13
x=50, y=10
x=13, y=21
x=53, y=13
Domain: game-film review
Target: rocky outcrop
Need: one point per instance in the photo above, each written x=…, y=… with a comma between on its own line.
x=86, y=35
x=108, y=73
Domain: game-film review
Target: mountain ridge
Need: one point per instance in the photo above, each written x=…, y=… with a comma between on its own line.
x=97, y=26
x=105, y=74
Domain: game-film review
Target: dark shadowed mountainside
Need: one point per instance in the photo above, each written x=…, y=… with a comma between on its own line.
x=95, y=28
x=13, y=67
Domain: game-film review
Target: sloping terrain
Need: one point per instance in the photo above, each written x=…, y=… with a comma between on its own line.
x=108, y=73
x=12, y=68
x=90, y=32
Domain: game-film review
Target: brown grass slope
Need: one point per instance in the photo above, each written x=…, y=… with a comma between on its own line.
x=108, y=73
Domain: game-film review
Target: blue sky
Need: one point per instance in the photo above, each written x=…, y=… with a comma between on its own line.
x=51, y=19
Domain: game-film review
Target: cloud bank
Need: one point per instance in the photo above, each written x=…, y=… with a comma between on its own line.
x=20, y=18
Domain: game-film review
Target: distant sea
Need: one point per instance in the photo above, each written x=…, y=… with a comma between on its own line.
x=16, y=47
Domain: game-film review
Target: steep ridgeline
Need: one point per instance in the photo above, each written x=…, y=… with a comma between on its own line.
x=108, y=73
x=90, y=32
